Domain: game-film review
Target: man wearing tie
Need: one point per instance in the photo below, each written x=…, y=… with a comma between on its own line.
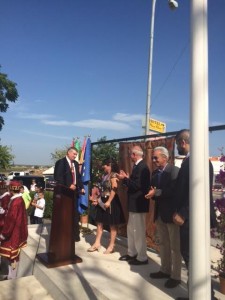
x=67, y=173
x=137, y=187
x=161, y=191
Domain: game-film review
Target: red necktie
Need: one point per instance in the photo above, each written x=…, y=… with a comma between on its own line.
x=72, y=171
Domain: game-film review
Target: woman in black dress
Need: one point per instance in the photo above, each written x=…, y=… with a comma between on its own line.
x=108, y=206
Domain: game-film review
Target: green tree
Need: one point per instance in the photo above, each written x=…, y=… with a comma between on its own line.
x=59, y=153
x=8, y=92
x=100, y=152
x=6, y=157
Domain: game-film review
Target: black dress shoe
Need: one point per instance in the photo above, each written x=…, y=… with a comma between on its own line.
x=3, y=278
x=172, y=283
x=127, y=257
x=137, y=262
x=77, y=260
x=159, y=275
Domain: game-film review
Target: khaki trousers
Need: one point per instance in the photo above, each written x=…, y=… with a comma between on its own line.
x=136, y=235
x=169, y=243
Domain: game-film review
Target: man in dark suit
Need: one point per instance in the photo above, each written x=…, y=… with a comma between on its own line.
x=162, y=185
x=138, y=185
x=66, y=172
x=181, y=216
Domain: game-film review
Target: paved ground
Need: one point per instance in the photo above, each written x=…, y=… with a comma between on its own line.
x=98, y=277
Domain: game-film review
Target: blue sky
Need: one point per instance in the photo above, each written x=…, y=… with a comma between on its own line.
x=81, y=68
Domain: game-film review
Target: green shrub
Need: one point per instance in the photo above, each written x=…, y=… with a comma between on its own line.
x=48, y=195
x=48, y=204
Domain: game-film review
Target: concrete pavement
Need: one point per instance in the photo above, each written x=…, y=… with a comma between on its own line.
x=98, y=277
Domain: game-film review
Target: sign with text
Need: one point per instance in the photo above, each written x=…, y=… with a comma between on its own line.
x=157, y=126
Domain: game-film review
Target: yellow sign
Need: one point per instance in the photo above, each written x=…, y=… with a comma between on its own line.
x=157, y=126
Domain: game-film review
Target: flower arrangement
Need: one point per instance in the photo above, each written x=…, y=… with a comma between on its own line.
x=219, y=205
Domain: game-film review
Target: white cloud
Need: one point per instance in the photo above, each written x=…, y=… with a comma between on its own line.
x=127, y=117
x=91, y=123
x=216, y=123
x=35, y=116
x=47, y=135
x=38, y=101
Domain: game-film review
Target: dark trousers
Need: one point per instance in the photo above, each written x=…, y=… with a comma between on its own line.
x=184, y=242
x=31, y=213
x=37, y=220
x=184, y=248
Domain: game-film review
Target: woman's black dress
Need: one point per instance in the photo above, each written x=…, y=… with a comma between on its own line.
x=114, y=214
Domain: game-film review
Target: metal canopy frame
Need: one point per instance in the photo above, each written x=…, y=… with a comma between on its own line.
x=142, y=137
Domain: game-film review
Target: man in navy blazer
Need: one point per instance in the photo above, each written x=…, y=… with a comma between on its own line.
x=137, y=186
x=162, y=188
x=67, y=173
x=181, y=216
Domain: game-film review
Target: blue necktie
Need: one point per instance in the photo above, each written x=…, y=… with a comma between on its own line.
x=159, y=174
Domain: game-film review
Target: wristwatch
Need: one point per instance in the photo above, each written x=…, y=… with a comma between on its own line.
x=158, y=192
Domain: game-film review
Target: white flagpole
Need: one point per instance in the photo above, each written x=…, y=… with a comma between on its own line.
x=199, y=271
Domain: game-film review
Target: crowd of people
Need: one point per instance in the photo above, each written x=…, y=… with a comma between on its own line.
x=167, y=186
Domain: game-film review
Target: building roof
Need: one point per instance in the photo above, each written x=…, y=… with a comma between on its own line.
x=49, y=171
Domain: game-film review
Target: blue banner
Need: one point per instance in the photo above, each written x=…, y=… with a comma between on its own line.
x=85, y=177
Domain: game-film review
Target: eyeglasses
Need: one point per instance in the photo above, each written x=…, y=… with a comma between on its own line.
x=155, y=158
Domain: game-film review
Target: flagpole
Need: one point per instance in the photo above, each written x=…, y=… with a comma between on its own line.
x=199, y=271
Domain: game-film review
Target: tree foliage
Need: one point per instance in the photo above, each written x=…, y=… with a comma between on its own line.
x=6, y=157
x=59, y=153
x=100, y=152
x=8, y=92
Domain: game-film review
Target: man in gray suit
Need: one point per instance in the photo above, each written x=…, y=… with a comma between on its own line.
x=162, y=185
x=137, y=186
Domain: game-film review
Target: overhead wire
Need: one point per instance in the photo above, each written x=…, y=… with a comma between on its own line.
x=170, y=72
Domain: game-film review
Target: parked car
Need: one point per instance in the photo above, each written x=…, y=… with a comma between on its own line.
x=27, y=180
x=49, y=183
x=16, y=173
x=3, y=177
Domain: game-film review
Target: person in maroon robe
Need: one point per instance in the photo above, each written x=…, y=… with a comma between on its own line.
x=4, y=202
x=14, y=232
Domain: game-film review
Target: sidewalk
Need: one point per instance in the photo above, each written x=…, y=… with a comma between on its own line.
x=98, y=277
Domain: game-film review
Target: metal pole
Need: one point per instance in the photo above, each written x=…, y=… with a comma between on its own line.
x=149, y=92
x=199, y=280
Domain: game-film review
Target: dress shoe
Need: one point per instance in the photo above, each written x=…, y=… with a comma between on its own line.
x=159, y=275
x=78, y=260
x=3, y=278
x=172, y=283
x=109, y=250
x=93, y=248
x=127, y=257
x=137, y=262
x=182, y=298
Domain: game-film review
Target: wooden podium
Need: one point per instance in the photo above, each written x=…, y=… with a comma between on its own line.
x=62, y=238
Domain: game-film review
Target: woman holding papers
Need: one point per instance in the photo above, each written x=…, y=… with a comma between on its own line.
x=109, y=210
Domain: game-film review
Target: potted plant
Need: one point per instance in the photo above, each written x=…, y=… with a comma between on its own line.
x=220, y=232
